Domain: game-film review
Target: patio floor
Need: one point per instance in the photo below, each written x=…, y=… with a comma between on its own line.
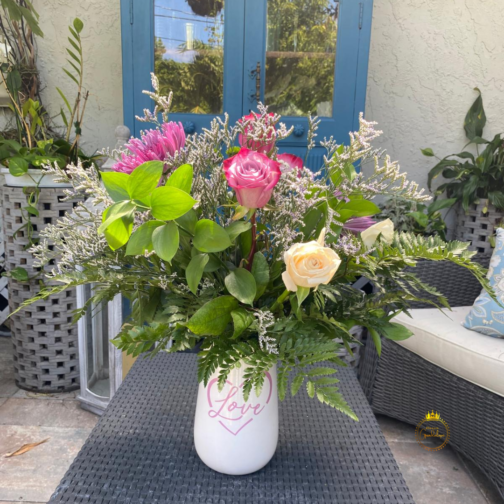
x=433, y=478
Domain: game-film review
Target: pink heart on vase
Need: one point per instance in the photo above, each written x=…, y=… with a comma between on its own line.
x=235, y=414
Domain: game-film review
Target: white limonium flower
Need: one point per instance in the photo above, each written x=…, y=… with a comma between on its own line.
x=309, y=264
x=385, y=228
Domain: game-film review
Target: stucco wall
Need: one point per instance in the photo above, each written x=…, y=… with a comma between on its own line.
x=426, y=57
x=101, y=39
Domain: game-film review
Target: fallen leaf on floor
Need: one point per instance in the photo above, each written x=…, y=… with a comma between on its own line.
x=37, y=394
x=25, y=448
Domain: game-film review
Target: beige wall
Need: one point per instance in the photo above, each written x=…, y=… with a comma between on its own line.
x=426, y=57
x=101, y=39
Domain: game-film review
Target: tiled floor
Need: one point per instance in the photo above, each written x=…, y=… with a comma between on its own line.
x=27, y=418
x=433, y=477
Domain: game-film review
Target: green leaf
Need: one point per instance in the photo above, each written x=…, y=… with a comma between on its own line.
x=475, y=119
x=242, y=320
x=420, y=218
x=169, y=203
x=361, y=208
x=74, y=33
x=395, y=331
x=321, y=371
x=115, y=212
x=188, y=221
x=213, y=317
x=496, y=198
x=14, y=82
x=74, y=56
x=310, y=389
x=376, y=339
x=241, y=284
x=302, y=294
x=237, y=228
x=260, y=270
x=19, y=274
x=71, y=76
x=166, y=241
x=296, y=384
x=18, y=166
x=440, y=204
x=119, y=231
x=143, y=180
x=75, y=46
x=194, y=271
x=350, y=171
x=116, y=184
x=32, y=210
x=63, y=97
x=210, y=237
x=182, y=178
x=427, y=152
x=78, y=25
x=141, y=239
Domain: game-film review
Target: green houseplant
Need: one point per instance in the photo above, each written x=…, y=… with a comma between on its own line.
x=474, y=179
x=247, y=253
x=418, y=218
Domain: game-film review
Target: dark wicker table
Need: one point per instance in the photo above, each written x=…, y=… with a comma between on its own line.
x=142, y=450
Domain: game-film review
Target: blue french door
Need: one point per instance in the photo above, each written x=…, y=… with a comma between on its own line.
x=296, y=56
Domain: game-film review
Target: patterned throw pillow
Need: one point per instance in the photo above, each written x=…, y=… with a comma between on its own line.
x=486, y=316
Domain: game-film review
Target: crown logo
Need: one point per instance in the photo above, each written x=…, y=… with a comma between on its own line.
x=432, y=416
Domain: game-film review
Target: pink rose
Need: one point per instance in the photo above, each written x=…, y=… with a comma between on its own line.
x=265, y=138
x=253, y=176
x=293, y=162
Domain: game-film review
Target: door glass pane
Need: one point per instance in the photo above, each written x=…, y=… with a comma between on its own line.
x=301, y=56
x=189, y=53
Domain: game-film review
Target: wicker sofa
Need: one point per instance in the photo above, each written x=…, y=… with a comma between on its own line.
x=406, y=383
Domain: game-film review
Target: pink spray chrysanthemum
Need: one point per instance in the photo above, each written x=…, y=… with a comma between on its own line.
x=154, y=145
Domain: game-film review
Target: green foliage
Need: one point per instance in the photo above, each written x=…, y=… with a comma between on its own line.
x=416, y=217
x=473, y=176
x=213, y=317
x=210, y=237
x=242, y=285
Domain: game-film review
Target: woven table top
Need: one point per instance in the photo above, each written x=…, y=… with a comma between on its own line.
x=142, y=450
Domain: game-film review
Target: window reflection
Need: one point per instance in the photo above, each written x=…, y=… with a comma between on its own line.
x=301, y=56
x=189, y=55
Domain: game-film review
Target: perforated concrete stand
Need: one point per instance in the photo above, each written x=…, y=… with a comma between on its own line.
x=45, y=340
x=142, y=450
x=477, y=226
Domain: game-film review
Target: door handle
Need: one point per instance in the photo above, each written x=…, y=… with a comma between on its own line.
x=258, y=82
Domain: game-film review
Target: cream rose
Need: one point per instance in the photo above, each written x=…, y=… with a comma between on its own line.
x=309, y=264
x=385, y=228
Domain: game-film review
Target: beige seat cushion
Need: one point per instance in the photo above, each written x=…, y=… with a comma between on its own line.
x=440, y=338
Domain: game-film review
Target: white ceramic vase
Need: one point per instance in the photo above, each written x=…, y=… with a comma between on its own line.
x=233, y=436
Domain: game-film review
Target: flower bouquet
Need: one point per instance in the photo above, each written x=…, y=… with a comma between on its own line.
x=221, y=242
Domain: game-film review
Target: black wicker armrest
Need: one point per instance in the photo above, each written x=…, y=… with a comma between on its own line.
x=458, y=284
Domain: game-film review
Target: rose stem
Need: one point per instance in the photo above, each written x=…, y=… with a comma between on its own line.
x=254, y=240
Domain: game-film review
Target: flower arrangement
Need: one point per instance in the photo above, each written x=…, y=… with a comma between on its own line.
x=219, y=240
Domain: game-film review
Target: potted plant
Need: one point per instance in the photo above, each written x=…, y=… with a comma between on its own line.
x=414, y=217
x=475, y=180
x=249, y=255
x=45, y=338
